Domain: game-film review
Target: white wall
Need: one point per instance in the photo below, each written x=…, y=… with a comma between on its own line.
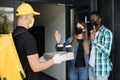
x=53, y=18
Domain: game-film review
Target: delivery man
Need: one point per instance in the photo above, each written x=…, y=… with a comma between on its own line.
x=26, y=45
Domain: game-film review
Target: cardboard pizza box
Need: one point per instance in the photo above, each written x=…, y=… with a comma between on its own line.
x=50, y=55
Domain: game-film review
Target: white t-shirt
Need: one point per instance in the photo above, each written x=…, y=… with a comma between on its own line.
x=92, y=53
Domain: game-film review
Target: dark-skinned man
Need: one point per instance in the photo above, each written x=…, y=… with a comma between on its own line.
x=101, y=37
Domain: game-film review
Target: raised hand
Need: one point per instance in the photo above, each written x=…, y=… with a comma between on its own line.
x=93, y=33
x=57, y=36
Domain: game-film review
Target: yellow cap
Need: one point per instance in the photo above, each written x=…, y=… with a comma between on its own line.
x=25, y=8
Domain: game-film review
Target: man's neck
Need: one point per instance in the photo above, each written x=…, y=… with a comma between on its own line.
x=98, y=27
x=20, y=23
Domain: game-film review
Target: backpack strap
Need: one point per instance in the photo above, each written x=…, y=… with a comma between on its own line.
x=14, y=35
x=17, y=33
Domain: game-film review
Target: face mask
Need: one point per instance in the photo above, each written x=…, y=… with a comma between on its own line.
x=94, y=23
x=31, y=24
x=78, y=30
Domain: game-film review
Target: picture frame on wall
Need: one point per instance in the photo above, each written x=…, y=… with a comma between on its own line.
x=6, y=19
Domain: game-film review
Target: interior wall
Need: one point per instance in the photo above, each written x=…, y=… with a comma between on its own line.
x=17, y=3
x=117, y=39
x=53, y=18
x=3, y=3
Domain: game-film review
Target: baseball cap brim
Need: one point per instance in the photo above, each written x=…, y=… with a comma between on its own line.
x=36, y=13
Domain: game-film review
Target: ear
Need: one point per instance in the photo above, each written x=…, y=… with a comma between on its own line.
x=100, y=19
x=29, y=19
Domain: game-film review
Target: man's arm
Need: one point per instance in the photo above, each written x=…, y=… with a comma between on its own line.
x=33, y=58
x=106, y=47
x=37, y=65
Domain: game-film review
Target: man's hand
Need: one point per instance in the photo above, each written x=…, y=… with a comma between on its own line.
x=93, y=33
x=57, y=36
x=58, y=58
x=42, y=58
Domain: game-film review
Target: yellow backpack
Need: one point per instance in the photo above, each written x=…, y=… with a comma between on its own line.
x=10, y=65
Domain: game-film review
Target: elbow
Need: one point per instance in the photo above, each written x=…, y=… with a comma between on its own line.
x=107, y=53
x=35, y=69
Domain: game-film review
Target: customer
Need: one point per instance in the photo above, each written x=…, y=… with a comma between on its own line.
x=77, y=68
x=101, y=37
x=26, y=45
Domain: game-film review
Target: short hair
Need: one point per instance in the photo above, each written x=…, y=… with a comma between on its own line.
x=95, y=13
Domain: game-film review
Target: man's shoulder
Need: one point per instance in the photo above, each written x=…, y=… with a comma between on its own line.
x=23, y=34
x=106, y=30
x=28, y=36
x=18, y=31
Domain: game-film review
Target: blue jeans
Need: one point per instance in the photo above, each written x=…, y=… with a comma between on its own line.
x=77, y=73
x=92, y=77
